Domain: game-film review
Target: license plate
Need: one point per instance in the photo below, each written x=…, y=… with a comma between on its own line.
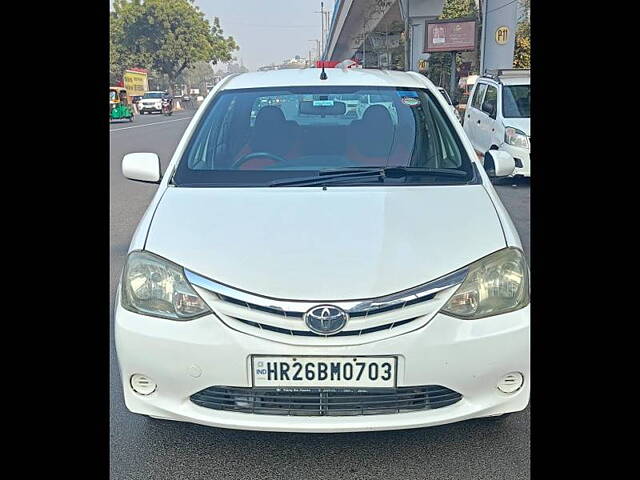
x=379, y=372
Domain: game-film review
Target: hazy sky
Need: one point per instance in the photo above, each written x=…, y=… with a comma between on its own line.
x=268, y=31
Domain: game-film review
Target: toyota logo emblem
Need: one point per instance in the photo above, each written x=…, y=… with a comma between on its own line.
x=326, y=319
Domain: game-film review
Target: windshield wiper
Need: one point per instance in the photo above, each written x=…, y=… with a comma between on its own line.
x=329, y=176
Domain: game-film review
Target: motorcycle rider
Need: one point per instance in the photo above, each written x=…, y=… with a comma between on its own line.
x=167, y=102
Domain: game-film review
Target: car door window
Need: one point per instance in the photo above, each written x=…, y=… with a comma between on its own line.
x=477, y=96
x=490, y=102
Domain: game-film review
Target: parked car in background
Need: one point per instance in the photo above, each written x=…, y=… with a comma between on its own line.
x=186, y=98
x=151, y=102
x=308, y=272
x=446, y=96
x=498, y=117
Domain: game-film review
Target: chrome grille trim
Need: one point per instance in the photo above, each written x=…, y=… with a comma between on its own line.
x=355, y=308
x=309, y=333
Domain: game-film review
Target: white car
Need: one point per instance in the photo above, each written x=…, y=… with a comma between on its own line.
x=151, y=102
x=497, y=116
x=312, y=273
x=450, y=102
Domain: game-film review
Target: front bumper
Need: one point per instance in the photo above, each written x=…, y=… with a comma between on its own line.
x=185, y=357
x=521, y=154
x=149, y=108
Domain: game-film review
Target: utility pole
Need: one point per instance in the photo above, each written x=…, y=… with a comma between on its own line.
x=413, y=25
x=364, y=42
x=452, y=83
x=407, y=39
x=321, y=12
x=483, y=26
x=327, y=22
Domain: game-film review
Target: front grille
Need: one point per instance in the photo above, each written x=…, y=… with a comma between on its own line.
x=397, y=313
x=325, y=402
x=309, y=333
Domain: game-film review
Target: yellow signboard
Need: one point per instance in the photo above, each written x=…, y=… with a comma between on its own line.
x=502, y=34
x=136, y=83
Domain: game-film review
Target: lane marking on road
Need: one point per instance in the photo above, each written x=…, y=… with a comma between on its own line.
x=149, y=124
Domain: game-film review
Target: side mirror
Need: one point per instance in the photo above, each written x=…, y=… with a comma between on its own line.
x=455, y=102
x=142, y=167
x=498, y=163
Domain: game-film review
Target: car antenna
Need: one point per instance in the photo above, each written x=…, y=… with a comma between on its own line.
x=323, y=74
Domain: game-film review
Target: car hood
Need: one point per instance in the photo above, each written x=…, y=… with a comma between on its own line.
x=343, y=243
x=523, y=124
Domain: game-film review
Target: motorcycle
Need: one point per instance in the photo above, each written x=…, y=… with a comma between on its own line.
x=167, y=107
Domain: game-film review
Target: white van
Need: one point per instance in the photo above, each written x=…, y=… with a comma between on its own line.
x=497, y=116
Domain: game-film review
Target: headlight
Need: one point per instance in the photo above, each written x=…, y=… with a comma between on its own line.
x=516, y=137
x=154, y=286
x=495, y=284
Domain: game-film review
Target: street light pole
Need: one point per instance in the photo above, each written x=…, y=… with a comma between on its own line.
x=321, y=12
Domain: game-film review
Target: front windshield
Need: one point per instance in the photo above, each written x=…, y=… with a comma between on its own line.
x=515, y=101
x=252, y=137
x=152, y=95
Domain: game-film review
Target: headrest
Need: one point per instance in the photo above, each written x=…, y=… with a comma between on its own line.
x=268, y=115
x=374, y=133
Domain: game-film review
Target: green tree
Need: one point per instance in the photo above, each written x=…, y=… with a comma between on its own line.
x=166, y=36
x=522, y=53
x=458, y=8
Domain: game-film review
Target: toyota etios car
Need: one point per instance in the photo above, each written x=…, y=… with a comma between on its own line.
x=302, y=269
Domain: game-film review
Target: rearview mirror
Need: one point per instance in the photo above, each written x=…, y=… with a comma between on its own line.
x=498, y=163
x=142, y=167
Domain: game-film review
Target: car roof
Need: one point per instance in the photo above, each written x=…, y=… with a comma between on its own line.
x=507, y=80
x=516, y=80
x=335, y=77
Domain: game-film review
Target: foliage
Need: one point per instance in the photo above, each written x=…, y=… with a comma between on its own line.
x=165, y=36
x=522, y=53
x=458, y=8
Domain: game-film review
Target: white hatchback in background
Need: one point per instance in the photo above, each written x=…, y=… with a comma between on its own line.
x=497, y=116
x=302, y=271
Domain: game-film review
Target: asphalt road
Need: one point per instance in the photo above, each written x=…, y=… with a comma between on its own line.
x=152, y=449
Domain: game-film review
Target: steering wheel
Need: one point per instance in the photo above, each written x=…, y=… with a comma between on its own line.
x=249, y=156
